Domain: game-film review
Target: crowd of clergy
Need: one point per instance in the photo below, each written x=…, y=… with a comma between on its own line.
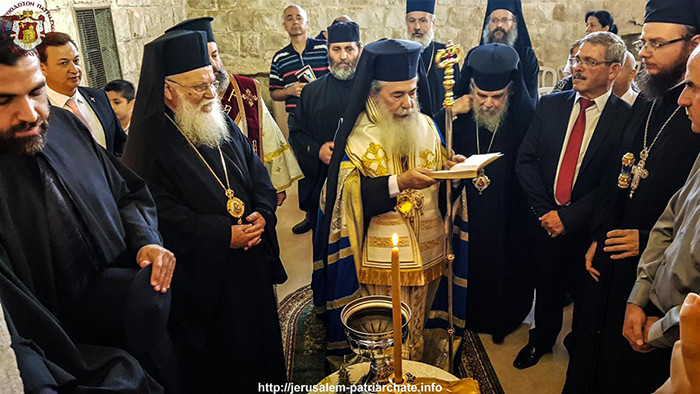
x=138, y=248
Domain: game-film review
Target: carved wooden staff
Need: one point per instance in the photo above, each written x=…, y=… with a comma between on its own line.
x=447, y=58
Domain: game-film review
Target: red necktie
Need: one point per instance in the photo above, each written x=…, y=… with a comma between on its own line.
x=568, y=164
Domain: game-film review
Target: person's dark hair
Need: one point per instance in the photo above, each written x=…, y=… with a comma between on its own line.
x=690, y=31
x=53, y=39
x=604, y=18
x=125, y=88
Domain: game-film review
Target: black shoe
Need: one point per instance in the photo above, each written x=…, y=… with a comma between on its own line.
x=302, y=227
x=529, y=356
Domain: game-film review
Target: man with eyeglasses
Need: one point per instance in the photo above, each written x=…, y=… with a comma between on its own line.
x=420, y=27
x=657, y=153
x=216, y=211
x=561, y=162
x=241, y=100
x=504, y=23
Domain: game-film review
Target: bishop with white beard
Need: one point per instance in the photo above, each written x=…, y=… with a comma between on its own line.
x=216, y=211
x=378, y=184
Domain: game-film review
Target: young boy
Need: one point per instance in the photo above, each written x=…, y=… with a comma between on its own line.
x=121, y=97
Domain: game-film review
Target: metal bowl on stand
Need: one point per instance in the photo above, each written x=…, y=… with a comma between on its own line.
x=369, y=329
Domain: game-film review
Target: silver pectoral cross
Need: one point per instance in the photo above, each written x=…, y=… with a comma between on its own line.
x=639, y=172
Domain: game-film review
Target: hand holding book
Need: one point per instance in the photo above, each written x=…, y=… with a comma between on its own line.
x=469, y=168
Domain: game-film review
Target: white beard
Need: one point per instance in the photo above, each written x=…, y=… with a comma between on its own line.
x=400, y=129
x=491, y=121
x=202, y=128
x=425, y=40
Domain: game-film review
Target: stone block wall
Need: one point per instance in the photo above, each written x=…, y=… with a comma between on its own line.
x=250, y=31
x=136, y=22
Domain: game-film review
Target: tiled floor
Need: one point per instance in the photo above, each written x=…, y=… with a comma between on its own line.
x=544, y=378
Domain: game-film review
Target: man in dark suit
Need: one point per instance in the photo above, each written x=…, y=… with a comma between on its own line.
x=560, y=164
x=60, y=63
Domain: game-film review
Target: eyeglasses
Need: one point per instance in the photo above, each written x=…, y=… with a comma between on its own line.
x=504, y=20
x=199, y=89
x=653, y=46
x=588, y=62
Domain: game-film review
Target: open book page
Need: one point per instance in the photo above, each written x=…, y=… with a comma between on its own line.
x=468, y=168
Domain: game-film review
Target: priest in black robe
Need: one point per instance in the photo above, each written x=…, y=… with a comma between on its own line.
x=494, y=117
x=319, y=114
x=73, y=221
x=504, y=23
x=603, y=360
x=420, y=25
x=199, y=165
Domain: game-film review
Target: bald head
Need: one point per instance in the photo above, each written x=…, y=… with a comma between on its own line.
x=342, y=18
x=296, y=9
x=295, y=21
x=690, y=97
x=627, y=73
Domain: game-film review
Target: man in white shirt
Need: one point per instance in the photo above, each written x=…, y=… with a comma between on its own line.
x=60, y=63
x=623, y=83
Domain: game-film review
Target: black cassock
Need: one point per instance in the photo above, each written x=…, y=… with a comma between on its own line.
x=531, y=69
x=436, y=75
x=499, y=293
x=318, y=113
x=66, y=215
x=603, y=360
x=224, y=318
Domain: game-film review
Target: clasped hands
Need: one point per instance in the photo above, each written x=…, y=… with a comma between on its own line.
x=248, y=235
x=636, y=328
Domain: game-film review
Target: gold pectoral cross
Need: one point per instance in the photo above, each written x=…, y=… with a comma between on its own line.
x=639, y=172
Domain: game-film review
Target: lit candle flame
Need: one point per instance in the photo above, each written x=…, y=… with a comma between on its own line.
x=395, y=239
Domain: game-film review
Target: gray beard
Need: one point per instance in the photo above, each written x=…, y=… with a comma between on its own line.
x=491, y=122
x=202, y=128
x=425, y=40
x=509, y=38
x=221, y=75
x=342, y=74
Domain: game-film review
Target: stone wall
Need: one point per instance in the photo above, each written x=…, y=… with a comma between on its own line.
x=136, y=22
x=249, y=32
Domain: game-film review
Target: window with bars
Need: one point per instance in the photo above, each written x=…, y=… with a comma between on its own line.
x=99, y=46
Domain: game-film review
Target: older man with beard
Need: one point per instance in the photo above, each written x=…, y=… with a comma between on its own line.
x=379, y=184
x=494, y=117
x=242, y=101
x=216, y=208
x=504, y=24
x=659, y=141
x=420, y=25
x=319, y=114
